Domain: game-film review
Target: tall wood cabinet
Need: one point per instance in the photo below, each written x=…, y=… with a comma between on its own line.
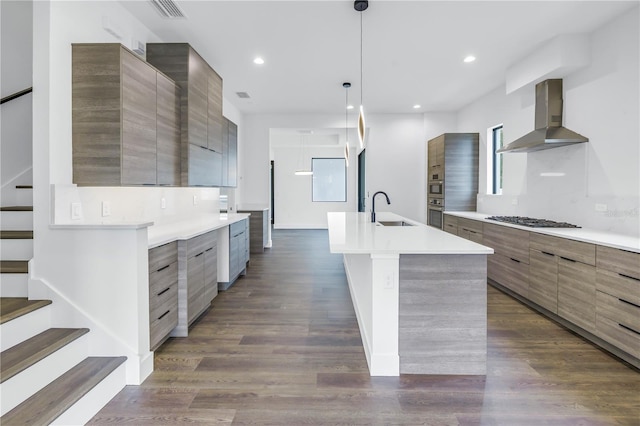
x=124, y=121
x=229, y=153
x=201, y=111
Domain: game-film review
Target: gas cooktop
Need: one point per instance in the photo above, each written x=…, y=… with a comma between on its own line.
x=531, y=222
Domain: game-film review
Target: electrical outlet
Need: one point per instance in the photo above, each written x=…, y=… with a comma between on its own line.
x=195, y=200
x=388, y=281
x=76, y=211
x=601, y=207
x=163, y=203
x=106, y=208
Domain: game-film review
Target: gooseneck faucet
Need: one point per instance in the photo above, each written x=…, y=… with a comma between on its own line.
x=373, y=204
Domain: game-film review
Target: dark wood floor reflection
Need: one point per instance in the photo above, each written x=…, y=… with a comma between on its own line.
x=282, y=347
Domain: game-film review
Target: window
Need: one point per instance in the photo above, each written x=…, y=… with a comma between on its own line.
x=496, y=176
x=329, y=179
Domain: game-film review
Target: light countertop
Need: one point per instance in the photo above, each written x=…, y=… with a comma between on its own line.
x=353, y=233
x=191, y=227
x=608, y=239
x=252, y=207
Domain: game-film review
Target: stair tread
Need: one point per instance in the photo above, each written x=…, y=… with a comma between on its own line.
x=23, y=355
x=14, y=307
x=16, y=235
x=14, y=266
x=16, y=209
x=24, y=186
x=54, y=399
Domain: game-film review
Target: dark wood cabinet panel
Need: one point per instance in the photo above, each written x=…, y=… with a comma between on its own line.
x=214, y=111
x=167, y=132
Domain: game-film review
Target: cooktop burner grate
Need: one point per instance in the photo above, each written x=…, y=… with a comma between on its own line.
x=531, y=222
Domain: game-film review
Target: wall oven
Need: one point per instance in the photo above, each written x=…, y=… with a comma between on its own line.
x=435, y=206
x=435, y=188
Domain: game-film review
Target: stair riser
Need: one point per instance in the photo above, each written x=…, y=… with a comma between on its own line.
x=23, y=385
x=16, y=221
x=87, y=407
x=24, y=327
x=14, y=285
x=16, y=249
x=24, y=197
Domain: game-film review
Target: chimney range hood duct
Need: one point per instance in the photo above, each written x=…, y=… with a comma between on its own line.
x=549, y=132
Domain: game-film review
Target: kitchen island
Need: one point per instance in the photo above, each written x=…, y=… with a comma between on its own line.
x=419, y=294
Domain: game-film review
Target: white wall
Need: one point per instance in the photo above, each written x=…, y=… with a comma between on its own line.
x=16, y=42
x=601, y=101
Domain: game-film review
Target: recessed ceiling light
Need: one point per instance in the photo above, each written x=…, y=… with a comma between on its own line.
x=349, y=106
x=258, y=61
x=416, y=106
x=470, y=58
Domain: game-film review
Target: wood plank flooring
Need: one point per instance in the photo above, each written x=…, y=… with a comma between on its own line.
x=282, y=347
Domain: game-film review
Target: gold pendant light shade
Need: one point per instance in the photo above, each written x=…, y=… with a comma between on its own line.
x=361, y=127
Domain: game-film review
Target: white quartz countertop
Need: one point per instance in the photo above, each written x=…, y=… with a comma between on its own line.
x=190, y=227
x=624, y=242
x=252, y=207
x=352, y=233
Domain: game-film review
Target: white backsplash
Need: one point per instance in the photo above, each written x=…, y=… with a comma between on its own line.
x=131, y=204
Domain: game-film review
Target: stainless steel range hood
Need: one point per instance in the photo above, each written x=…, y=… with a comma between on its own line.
x=549, y=132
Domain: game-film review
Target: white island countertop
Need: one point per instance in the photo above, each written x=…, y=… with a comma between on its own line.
x=353, y=233
x=188, y=228
x=603, y=238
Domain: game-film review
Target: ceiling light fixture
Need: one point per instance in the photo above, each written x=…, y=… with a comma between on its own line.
x=469, y=59
x=346, y=86
x=258, y=61
x=302, y=171
x=349, y=106
x=417, y=106
x=361, y=6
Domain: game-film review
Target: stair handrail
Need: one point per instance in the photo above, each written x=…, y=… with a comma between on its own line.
x=16, y=95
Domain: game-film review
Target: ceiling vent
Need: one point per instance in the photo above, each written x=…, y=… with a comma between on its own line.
x=168, y=8
x=243, y=95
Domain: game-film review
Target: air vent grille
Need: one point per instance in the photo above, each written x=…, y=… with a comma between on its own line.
x=243, y=95
x=168, y=8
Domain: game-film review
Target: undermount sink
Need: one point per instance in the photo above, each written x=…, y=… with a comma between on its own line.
x=394, y=223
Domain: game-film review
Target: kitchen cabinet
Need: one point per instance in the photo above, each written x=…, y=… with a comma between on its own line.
x=543, y=279
x=258, y=228
x=163, y=293
x=509, y=265
x=201, y=111
x=238, y=252
x=577, y=293
x=509, y=272
x=470, y=229
x=116, y=117
x=450, y=224
x=229, y=153
x=168, y=131
x=452, y=171
x=618, y=298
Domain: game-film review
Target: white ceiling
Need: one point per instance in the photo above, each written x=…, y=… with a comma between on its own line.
x=413, y=50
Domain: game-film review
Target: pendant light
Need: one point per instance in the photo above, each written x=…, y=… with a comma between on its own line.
x=302, y=171
x=346, y=85
x=361, y=6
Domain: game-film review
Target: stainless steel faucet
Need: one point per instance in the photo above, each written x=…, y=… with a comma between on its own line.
x=373, y=204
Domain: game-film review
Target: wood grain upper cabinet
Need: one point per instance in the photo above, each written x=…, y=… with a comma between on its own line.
x=229, y=153
x=168, y=132
x=201, y=111
x=114, y=116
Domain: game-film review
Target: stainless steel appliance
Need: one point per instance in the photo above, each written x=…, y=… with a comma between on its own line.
x=436, y=188
x=435, y=206
x=531, y=222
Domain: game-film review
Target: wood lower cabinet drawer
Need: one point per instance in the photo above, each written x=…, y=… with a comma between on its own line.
x=619, y=261
x=165, y=300
x=510, y=242
x=509, y=272
x=577, y=293
x=163, y=319
x=618, y=310
x=162, y=256
x=563, y=247
x=163, y=279
x=618, y=285
x=543, y=279
x=618, y=335
x=196, y=245
x=450, y=224
x=470, y=225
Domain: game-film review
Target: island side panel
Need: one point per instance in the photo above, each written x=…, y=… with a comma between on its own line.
x=443, y=314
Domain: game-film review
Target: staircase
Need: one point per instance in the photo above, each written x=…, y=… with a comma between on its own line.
x=46, y=374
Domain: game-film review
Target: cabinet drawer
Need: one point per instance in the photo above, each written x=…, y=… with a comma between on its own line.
x=577, y=293
x=470, y=225
x=450, y=224
x=196, y=245
x=210, y=239
x=510, y=242
x=614, y=333
x=163, y=279
x=162, y=324
x=511, y=273
x=543, y=280
x=618, y=311
x=162, y=256
x=618, y=285
x=163, y=301
x=237, y=228
x=620, y=261
x=563, y=247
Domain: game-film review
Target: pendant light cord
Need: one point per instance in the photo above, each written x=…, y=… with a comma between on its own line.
x=361, y=56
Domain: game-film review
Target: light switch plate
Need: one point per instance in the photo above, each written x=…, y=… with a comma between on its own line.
x=106, y=208
x=163, y=203
x=195, y=200
x=601, y=207
x=76, y=211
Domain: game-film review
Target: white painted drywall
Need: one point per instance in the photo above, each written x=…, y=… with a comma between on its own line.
x=601, y=101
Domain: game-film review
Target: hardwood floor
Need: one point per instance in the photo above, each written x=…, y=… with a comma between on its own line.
x=282, y=347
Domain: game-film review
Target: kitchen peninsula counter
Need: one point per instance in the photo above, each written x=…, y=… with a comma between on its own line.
x=418, y=292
